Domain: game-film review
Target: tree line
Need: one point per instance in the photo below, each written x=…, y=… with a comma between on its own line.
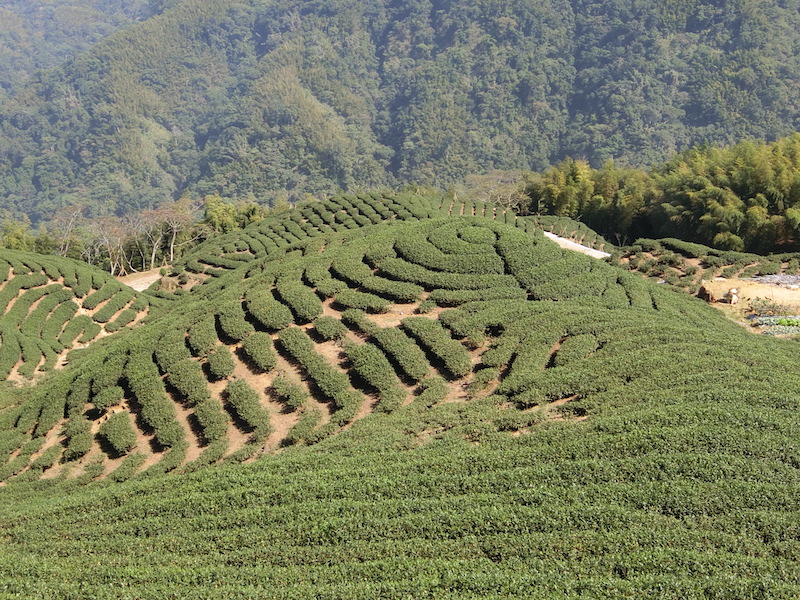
x=137, y=241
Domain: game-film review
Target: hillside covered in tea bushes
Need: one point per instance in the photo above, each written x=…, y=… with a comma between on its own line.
x=394, y=396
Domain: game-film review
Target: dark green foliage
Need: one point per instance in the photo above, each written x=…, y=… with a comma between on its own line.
x=266, y=310
x=397, y=291
x=362, y=301
x=332, y=383
x=220, y=362
x=107, y=291
x=303, y=302
x=119, y=433
x=113, y=306
x=437, y=340
x=171, y=348
x=46, y=459
x=434, y=390
x=408, y=356
x=203, y=335
x=157, y=411
x=303, y=430
x=212, y=419
x=90, y=331
x=79, y=438
x=259, y=348
x=108, y=397
x=9, y=351
x=128, y=467
x=371, y=364
x=456, y=297
x=126, y=317
x=329, y=328
x=575, y=348
x=186, y=376
x=290, y=392
x=246, y=405
x=232, y=321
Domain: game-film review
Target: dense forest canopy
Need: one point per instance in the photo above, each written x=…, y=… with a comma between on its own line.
x=253, y=97
x=41, y=34
x=745, y=197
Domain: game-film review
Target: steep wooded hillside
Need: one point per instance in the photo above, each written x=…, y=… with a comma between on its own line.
x=257, y=96
x=45, y=33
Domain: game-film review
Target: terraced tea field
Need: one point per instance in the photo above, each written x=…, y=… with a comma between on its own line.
x=428, y=405
x=51, y=305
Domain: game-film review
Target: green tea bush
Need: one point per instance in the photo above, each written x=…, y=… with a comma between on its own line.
x=418, y=250
x=303, y=302
x=128, y=468
x=79, y=438
x=36, y=320
x=266, y=310
x=212, y=419
x=202, y=336
x=259, y=348
x=457, y=297
x=289, y=392
x=351, y=268
x=574, y=349
x=371, y=364
x=113, y=306
x=108, y=397
x=331, y=382
x=232, y=321
x=408, y=356
x=399, y=291
x=20, y=282
x=126, y=317
x=434, y=390
x=9, y=352
x=157, y=411
x=119, y=433
x=246, y=404
x=31, y=355
x=186, y=376
x=329, y=328
x=220, y=362
x=397, y=268
x=90, y=331
x=46, y=459
x=363, y=301
x=101, y=295
x=437, y=340
x=502, y=351
x=171, y=348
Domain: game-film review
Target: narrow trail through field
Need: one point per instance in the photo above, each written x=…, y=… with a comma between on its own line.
x=141, y=281
x=570, y=245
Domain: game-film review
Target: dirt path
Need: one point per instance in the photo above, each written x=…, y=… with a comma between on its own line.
x=749, y=290
x=570, y=245
x=141, y=281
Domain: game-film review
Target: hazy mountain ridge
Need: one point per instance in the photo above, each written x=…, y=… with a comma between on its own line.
x=259, y=97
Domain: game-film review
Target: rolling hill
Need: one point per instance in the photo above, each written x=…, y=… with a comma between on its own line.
x=415, y=404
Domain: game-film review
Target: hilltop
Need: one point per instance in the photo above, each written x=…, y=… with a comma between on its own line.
x=425, y=404
x=268, y=99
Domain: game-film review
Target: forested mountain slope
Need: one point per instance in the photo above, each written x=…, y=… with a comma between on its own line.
x=260, y=96
x=42, y=34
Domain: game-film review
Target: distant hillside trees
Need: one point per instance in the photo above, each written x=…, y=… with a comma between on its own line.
x=241, y=97
x=746, y=197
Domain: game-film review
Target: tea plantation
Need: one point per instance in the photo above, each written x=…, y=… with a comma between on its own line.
x=50, y=305
x=409, y=401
